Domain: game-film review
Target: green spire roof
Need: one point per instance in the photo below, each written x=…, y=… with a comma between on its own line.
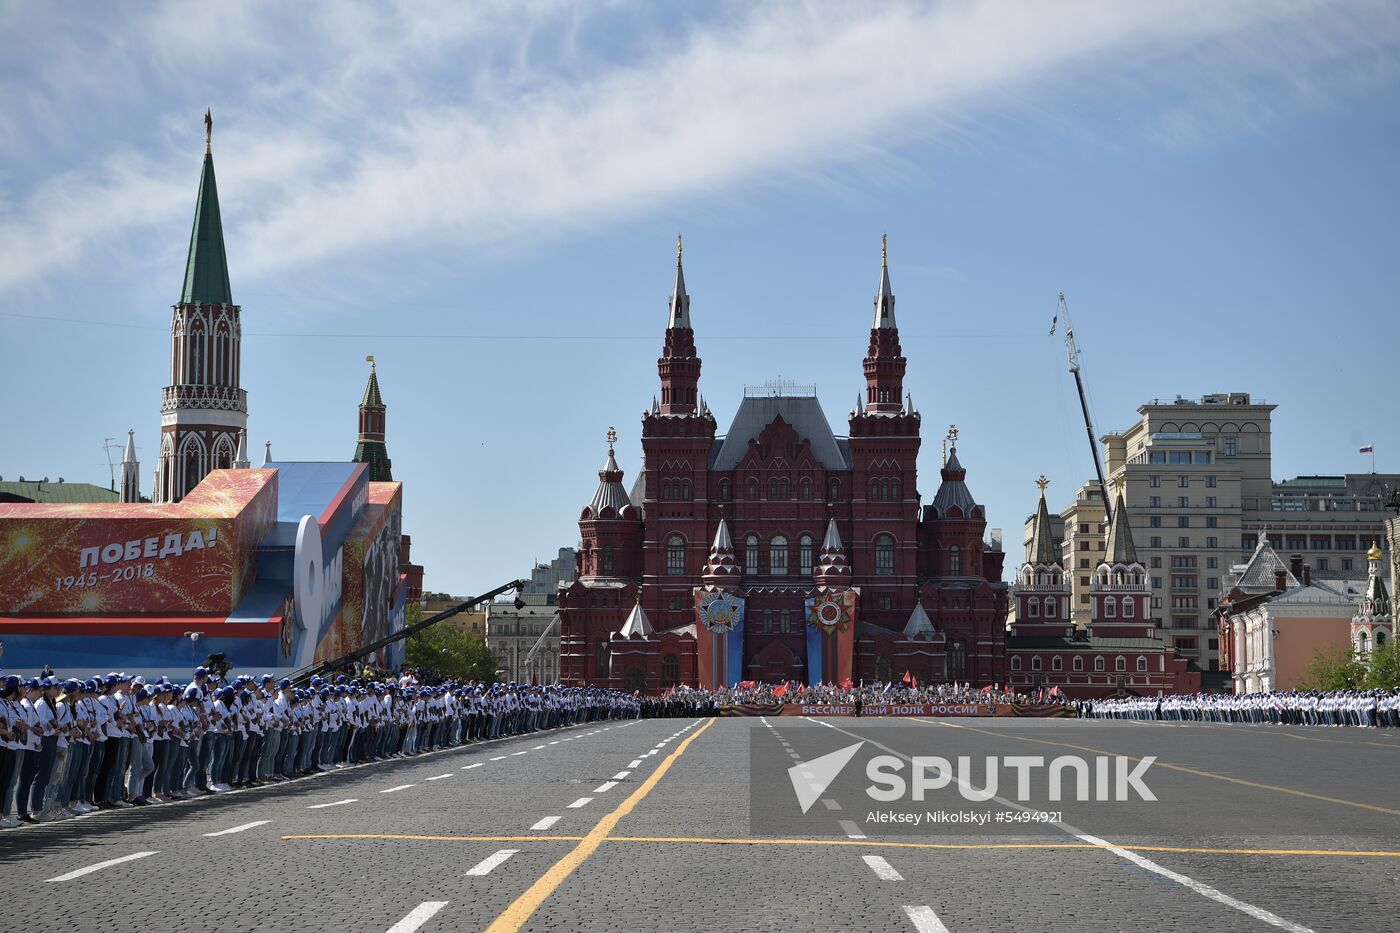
x=206, y=271
x=372, y=397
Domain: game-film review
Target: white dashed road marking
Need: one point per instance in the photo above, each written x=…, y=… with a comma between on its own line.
x=499, y=758
x=390, y=790
x=546, y=822
x=635, y=764
x=882, y=869
x=322, y=806
x=469, y=767
x=418, y=916
x=621, y=774
x=526, y=752
x=100, y=865
x=537, y=748
x=239, y=829
x=440, y=777
x=604, y=787
x=484, y=866
x=925, y=920
x=581, y=802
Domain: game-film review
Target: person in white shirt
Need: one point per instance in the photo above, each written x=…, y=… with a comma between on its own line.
x=13, y=745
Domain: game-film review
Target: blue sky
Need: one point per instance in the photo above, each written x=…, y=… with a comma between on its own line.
x=486, y=197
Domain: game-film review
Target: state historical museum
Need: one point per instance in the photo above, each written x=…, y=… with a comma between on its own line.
x=779, y=551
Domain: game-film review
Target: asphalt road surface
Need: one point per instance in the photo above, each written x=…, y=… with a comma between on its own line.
x=694, y=824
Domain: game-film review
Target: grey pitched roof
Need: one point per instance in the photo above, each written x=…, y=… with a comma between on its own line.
x=953, y=491
x=1043, y=544
x=919, y=622
x=1259, y=573
x=803, y=413
x=637, y=624
x=679, y=305
x=610, y=492
x=1120, y=549
x=1084, y=644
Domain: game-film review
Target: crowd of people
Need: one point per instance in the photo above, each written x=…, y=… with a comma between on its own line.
x=70, y=746
x=1366, y=708
x=871, y=694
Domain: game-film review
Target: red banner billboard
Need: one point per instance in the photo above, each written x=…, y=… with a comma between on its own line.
x=96, y=559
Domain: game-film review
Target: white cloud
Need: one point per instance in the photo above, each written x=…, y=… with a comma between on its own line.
x=347, y=129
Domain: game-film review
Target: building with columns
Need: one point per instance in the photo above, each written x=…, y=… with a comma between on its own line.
x=204, y=409
x=778, y=550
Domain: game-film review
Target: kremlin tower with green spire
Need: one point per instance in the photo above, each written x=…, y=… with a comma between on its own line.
x=204, y=410
x=370, y=448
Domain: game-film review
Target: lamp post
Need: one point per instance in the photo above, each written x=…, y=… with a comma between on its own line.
x=194, y=638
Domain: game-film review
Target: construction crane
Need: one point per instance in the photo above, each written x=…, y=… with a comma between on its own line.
x=1072, y=352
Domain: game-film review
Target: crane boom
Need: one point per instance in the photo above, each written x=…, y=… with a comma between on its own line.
x=1072, y=354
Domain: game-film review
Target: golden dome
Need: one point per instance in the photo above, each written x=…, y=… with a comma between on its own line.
x=1374, y=553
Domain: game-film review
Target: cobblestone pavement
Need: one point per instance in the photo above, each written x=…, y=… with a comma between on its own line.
x=664, y=825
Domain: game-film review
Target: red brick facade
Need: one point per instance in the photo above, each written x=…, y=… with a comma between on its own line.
x=778, y=478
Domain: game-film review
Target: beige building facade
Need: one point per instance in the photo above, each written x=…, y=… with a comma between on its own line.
x=1196, y=475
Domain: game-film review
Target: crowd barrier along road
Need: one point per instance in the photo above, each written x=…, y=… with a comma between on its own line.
x=900, y=709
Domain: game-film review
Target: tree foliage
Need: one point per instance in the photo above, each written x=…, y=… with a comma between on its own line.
x=1341, y=669
x=443, y=652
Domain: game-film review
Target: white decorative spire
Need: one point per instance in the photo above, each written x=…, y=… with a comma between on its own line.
x=680, y=301
x=267, y=453
x=131, y=471
x=637, y=624
x=884, y=296
x=240, y=459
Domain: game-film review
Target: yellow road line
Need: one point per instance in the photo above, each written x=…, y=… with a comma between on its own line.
x=515, y=916
x=1171, y=767
x=870, y=843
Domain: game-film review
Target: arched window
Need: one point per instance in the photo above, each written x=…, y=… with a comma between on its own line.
x=894, y=490
x=751, y=554
x=1098, y=662
x=1110, y=607
x=874, y=489
x=675, y=555
x=1015, y=662
x=666, y=490
x=835, y=490
x=1033, y=607
x=767, y=621
x=1057, y=663
x=784, y=621
x=670, y=671
x=1129, y=607
x=1035, y=662
x=778, y=556
x=884, y=670
x=603, y=661
x=1120, y=664
x=636, y=680
x=804, y=555
x=957, y=661
x=1380, y=637
x=954, y=561
x=607, y=560
x=1142, y=663
x=753, y=488
x=724, y=490
x=805, y=488
x=1078, y=662
x=884, y=556
x=685, y=490
x=885, y=490
x=1361, y=642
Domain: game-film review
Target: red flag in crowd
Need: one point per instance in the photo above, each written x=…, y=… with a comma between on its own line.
x=987, y=689
x=780, y=691
x=908, y=677
x=846, y=684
